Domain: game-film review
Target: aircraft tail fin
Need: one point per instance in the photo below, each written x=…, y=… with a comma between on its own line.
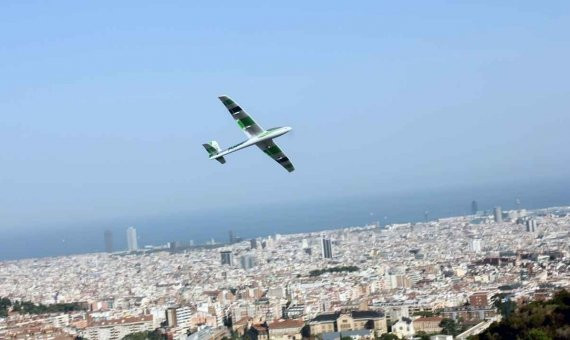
x=213, y=149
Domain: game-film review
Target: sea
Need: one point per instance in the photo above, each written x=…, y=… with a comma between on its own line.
x=292, y=217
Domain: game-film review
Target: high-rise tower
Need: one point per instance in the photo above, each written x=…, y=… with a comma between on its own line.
x=474, y=207
x=226, y=257
x=247, y=261
x=326, y=245
x=108, y=236
x=253, y=243
x=498, y=215
x=132, y=244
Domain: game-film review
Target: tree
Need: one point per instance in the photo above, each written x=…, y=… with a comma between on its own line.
x=421, y=335
x=535, y=321
x=449, y=326
x=424, y=313
x=338, y=269
x=388, y=336
x=147, y=335
x=507, y=308
x=27, y=307
x=5, y=303
x=235, y=336
x=538, y=334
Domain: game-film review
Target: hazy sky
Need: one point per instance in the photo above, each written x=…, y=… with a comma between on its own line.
x=104, y=105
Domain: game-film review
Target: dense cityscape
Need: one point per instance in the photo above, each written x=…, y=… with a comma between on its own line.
x=294, y=170
x=447, y=278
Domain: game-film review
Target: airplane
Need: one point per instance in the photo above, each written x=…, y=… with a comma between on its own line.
x=256, y=136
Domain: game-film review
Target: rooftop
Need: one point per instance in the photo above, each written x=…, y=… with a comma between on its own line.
x=290, y=323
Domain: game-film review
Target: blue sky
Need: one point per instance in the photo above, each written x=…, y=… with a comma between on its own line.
x=104, y=105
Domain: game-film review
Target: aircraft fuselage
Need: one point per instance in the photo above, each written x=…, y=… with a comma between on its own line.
x=265, y=135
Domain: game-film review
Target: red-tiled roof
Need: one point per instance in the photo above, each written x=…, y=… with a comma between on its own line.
x=291, y=323
x=429, y=319
x=260, y=328
x=242, y=321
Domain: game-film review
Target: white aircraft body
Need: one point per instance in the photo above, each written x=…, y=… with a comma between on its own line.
x=256, y=136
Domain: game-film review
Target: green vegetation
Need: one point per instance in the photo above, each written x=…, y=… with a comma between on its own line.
x=338, y=269
x=505, y=306
x=26, y=307
x=426, y=313
x=450, y=327
x=549, y=320
x=422, y=335
x=387, y=336
x=147, y=335
x=4, y=305
x=510, y=287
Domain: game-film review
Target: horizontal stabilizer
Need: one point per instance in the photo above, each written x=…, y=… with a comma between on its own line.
x=213, y=149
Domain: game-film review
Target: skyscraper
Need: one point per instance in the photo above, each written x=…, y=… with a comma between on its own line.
x=108, y=235
x=231, y=237
x=253, y=243
x=498, y=214
x=474, y=207
x=132, y=239
x=326, y=245
x=247, y=261
x=226, y=257
x=530, y=225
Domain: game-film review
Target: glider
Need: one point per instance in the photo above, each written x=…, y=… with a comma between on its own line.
x=256, y=136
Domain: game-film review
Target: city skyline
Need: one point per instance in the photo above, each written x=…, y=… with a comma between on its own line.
x=62, y=240
x=410, y=275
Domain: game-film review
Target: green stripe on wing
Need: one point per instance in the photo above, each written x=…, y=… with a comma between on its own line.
x=246, y=122
x=272, y=150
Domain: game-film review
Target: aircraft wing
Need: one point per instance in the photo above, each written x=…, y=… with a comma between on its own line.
x=273, y=151
x=244, y=121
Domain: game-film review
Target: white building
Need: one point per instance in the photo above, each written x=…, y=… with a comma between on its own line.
x=179, y=316
x=132, y=244
x=475, y=245
x=247, y=261
x=403, y=328
x=531, y=226
x=118, y=328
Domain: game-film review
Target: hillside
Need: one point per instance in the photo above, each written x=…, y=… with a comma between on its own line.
x=537, y=320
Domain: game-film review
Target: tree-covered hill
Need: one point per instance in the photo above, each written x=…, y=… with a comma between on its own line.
x=537, y=320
